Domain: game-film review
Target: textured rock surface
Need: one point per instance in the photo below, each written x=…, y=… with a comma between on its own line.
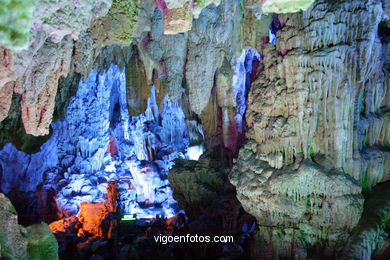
x=323, y=91
x=41, y=243
x=7, y=82
x=55, y=27
x=209, y=42
x=118, y=26
x=319, y=205
x=15, y=22
x=21, y=171
x=284, y=6
x=179, y=14
x=99, y=142
x=13, y=238
x=65, y=225
x=371, y=237
x=317, y=112
x=93, y=217
x=197, y=183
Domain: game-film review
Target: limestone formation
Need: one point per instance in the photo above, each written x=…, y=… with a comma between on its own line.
x=7, y=82
x=15, y=22
x=323, y=91
x=41, y=243
x=371, y=236
x=197, y=183
x=284, y=6
x=179, y=14
x=125, y=92
x=314, y=205
x=118, y=26
x=38, y=67
x=94, y=218
x=13, y=237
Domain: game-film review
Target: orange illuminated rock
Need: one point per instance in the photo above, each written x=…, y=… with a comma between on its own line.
x=65, y=225
x=94, y=218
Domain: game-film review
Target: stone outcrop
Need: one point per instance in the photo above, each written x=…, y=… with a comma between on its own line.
x=7, y=82
x=16, y=242
x=94, y=218
x=64, y=225
x=15, y=22
x=118, y=26
x=197, y=183
x=13, y=237
x=41, y=243
x=284, y=6
x=370, y=238
x=179, y=14
x=57, y=28
x=312, y=204
x=317, y=129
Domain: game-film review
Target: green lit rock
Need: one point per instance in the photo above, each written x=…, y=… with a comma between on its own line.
x=13, y=237
x=15, y=22
x=41, y=243
x=118, y=25
x=285, y=6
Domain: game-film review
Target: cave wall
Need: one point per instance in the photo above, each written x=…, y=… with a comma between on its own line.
x=324, y=91
x=317, y=113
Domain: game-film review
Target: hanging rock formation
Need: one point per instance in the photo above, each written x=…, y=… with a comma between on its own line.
x=323, y=91
x=284, y=6
x=317, y=129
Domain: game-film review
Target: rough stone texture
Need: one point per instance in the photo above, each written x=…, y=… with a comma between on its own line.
x=179, y=14
x=209, y=40
x=37, y=68
x=312, y=204
x=15, y=22
x=284, y=6
x=23, y=172
x=13, y=237
x=371, y=237
x=118, y=26
x=42, y=244
x=323, y=91
x=178, y=20
x=7, y=82
x=197, y=183
x=94, y=218
x=65, y=225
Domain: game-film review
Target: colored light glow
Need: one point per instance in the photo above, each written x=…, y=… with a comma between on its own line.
x=128, y=218
x=194, y=152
